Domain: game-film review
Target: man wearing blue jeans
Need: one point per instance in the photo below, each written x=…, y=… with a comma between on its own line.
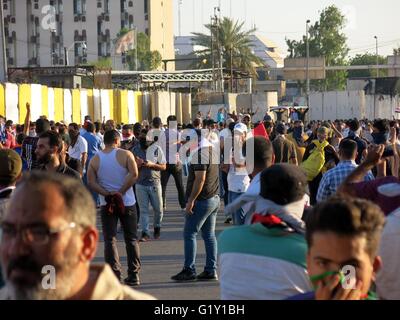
x=201, y=211
x=150, y=160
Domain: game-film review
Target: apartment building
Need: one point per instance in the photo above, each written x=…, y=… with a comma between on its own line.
x=39, y=32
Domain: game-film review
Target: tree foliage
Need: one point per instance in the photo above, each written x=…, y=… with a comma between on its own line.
x=235, y=43
x=367, y=59
x=148, y=60
x=326, y=39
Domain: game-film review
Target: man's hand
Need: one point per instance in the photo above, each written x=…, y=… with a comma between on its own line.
x=333, y=290
x=28, y=107
x=148, y=164
x=189, y=207
x=139, y=162
x=115, y=193
x=374, y=155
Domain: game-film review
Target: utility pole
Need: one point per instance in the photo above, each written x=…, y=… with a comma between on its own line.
x=220, y=73
x=308, y=62
x=179, y=18
x=212, y=53
x=5, y=64
x=377, y=57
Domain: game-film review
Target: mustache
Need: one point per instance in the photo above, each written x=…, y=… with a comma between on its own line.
x=24, y=263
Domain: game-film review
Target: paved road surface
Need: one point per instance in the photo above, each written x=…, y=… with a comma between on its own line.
x=163, y=258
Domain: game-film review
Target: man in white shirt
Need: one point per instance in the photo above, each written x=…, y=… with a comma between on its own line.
x=78, y=150
x=263, y=159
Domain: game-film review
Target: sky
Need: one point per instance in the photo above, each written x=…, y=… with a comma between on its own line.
x=278, y=19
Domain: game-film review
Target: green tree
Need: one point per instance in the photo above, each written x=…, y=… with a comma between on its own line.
x=396, y=51
x=326, y=39
x=366, y=59
x=236, y=45
x=102, y=62
x=147, y=59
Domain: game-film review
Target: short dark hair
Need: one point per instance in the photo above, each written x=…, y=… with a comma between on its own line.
x=156, y=122
x=20, y=138
x=110, y=136
x=90, y=127
x=196, y=122
x=381, y=125
x=263, y=151
x=55, y=139
x=353, y=125
x=283, y=184
x=97, y=126
x=347, y=217
x=42, y=125
x=171, y=118
x=348, y=148
x=127, y=127
x=137, y=127
x=74, y=125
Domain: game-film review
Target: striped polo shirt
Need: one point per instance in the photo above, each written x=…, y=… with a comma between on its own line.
x=260, y=263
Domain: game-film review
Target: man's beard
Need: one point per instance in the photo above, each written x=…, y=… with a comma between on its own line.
x=45, y=159
x=64, y=282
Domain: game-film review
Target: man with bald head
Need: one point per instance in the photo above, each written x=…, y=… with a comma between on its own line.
x=50, y=224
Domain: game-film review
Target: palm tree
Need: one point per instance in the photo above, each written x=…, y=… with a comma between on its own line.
x=235, y=43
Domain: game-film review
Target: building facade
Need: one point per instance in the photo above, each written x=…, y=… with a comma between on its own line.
x=39, y=32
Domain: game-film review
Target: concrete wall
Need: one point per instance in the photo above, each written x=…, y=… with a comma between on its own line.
x=351, y=104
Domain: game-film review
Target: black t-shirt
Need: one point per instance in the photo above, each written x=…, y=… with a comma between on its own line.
x=28, y=152
x=202, y=161
x=66, y=170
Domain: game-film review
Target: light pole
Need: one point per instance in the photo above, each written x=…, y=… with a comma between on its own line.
x=377, y=57
x=66, y=50
x=5, y=64
x=308, y=63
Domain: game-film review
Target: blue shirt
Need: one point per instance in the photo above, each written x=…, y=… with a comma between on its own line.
x=332, y=180
x=220, y=117
x=94, y=145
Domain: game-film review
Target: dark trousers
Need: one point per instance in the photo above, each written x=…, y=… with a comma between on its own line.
x=313, y=187
x=176, y=171
x=225, y=185
x=129, y=226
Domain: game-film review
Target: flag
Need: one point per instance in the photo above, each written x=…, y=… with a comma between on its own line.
x=125, y=43
x=260, y=131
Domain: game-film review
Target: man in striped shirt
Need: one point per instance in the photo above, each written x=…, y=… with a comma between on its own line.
x=335, y=177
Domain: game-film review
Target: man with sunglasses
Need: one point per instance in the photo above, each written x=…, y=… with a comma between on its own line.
x=49, y=235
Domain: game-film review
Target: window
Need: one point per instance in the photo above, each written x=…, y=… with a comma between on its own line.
x=106, y=6
x=146, y=6
x=130, y=4
x=36, y=4
x=99, y=5
x=77, y=7
x=131, y=22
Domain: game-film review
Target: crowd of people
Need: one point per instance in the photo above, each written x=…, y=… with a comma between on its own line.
x=314, y=206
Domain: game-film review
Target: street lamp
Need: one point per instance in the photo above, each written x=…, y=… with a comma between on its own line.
x=66, y=50
x=308, y=62
x=377, y=57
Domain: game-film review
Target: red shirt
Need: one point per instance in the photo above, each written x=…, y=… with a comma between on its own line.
x=10, y=141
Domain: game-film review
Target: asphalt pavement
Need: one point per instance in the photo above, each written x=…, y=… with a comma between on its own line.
x=164, y=258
